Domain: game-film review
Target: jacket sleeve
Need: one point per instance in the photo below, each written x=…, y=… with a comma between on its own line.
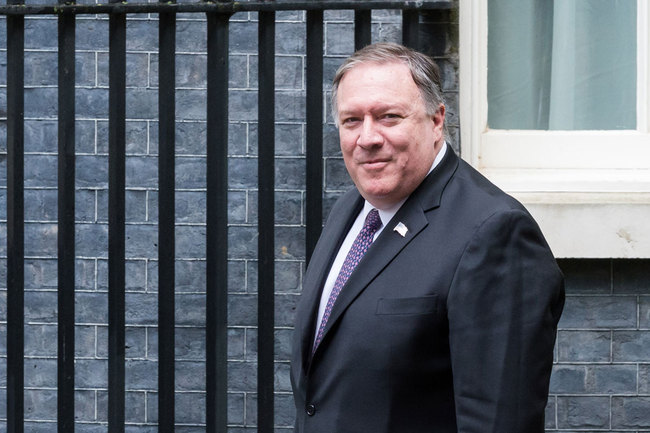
x=503, y=308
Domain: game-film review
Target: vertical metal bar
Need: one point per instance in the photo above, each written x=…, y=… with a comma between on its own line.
x=410, y=28
x=266, y=222
x=314, y=151
x=217, y=225
x=66, y=226
x=15, y=222
x=362, y=28
x=116, y=220
x=166, y=219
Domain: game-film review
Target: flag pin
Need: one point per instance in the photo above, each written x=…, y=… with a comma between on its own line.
x=401, y=229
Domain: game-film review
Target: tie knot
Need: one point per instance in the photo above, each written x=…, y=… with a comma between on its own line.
x=373, y=222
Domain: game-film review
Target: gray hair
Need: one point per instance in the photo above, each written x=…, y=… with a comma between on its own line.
x=424, y=71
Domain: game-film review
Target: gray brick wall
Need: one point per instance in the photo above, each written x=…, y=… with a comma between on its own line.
x=601, y=380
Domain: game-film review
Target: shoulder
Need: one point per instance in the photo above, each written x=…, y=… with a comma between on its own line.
x=347, y=199
x=348, y=203
x=479, y=187
x=472, y=199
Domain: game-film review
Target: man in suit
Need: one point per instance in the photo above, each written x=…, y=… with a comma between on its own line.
x=432, y=299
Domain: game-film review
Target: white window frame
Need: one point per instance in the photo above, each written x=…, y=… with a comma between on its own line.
x=588, y=190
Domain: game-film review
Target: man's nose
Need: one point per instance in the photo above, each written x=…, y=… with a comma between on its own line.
x=369, y=134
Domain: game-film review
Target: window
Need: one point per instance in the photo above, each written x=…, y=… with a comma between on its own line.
x=555, y=109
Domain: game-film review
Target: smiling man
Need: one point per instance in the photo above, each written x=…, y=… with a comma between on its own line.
x=432, y=299
x=388, y=138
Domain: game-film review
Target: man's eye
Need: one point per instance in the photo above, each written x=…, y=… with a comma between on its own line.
x=390, y=118
x=350, y=120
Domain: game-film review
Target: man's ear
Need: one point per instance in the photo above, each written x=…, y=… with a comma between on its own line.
x=439, y=119
x=439, y=116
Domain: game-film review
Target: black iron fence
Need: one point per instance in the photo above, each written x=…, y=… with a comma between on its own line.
x=218, y=15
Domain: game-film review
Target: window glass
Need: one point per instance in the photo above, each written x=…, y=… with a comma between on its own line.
x=562, y=65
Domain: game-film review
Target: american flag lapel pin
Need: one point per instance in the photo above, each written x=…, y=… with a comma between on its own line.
x=401, y=229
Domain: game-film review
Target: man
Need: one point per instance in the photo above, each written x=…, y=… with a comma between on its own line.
x=438, y=311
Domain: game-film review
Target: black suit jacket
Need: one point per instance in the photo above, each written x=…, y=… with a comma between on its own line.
x=448, y=329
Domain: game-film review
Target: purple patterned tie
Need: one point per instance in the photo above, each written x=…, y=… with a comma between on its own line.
x=358, y=249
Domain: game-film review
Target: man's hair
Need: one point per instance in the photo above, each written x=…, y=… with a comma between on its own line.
x=424, y=71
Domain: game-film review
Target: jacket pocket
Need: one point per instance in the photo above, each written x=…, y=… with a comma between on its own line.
x=419, y=305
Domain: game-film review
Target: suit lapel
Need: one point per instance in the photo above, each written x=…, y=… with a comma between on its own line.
x=319, y=266
x=379, y=255
x=389, y=243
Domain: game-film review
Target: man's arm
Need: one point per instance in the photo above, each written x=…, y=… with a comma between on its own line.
x=503, y=307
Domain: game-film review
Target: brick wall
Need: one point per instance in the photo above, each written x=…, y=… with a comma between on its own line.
x=601, y=380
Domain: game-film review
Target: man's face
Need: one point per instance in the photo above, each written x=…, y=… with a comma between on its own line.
x=387, y=139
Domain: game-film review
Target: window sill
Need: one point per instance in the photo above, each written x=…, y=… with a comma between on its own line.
x=585, y=214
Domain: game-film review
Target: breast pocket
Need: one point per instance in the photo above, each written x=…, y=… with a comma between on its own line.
x=418, y=305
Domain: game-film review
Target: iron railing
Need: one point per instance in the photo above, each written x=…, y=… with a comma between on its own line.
x=218, y=15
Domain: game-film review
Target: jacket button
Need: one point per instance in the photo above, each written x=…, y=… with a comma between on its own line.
x=310, y=409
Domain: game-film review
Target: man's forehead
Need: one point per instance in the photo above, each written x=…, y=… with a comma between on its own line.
x=371, y=105
x=391, y=74
x=383, y=86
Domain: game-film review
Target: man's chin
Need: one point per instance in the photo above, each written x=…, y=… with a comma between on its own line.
x=379, y=198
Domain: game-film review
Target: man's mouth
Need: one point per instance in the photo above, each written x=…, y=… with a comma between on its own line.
x=375, y=163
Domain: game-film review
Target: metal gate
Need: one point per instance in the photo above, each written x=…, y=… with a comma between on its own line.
x=218, y=15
